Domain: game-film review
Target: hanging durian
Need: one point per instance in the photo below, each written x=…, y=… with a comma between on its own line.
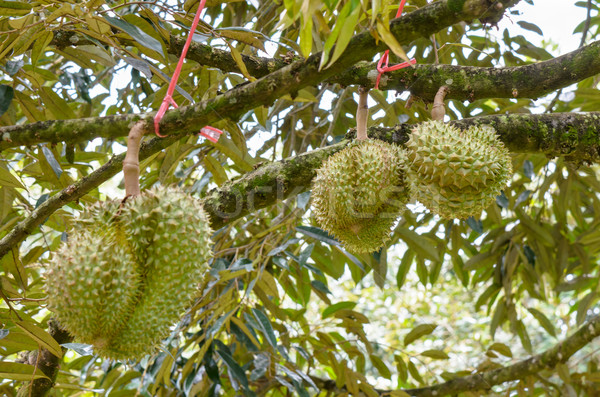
x=456, y=173
x=129, y=270
x=359, y=192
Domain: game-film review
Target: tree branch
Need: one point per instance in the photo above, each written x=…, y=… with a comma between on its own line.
x=471, y=82
x=287, y=80
x=571, y=135
x=560, y=353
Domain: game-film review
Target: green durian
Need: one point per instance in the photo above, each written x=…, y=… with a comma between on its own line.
x=359, y=193
x=129, y=270
x=456, y=173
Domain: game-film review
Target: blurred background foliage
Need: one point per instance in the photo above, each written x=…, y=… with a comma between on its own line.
x=285, y=305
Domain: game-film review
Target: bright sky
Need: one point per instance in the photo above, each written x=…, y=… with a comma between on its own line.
x=556, y=18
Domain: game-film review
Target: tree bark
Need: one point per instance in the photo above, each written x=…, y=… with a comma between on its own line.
x=574, y=136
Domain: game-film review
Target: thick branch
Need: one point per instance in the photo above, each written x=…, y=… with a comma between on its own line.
x=560, y=134
x=572, y=135
x=471, y=82
x=289, y=79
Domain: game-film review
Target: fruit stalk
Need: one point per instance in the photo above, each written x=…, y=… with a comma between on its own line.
x=131, y=163
x=438, y=111
x=362, y=113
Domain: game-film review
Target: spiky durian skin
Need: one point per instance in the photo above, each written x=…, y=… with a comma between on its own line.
x=82, y=280
x=359, y=193
x=159, y=244
x=456, y=173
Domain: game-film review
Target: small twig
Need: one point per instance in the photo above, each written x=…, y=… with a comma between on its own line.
x=131, y=163
x=435, y=49
x=587, y=23
x=438, y=110
x=362, y=113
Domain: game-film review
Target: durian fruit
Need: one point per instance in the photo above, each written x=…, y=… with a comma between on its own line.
x=128, y=271
x=456, y=173
x=359, y=192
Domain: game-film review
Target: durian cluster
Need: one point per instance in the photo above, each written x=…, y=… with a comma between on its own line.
x=129, y=270
x=359, y=192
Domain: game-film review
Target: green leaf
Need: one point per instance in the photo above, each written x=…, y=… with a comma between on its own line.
x=306, y=37
x=54, y=164
x=404, y=268
x=20, y=372
x=389, y=39
x=349, y=25
x=318, y=234
x=13, y=67
x=237, y=57
x=435, y=354
x=378, y=363
x=265, y=327
x=81, y=348
x=502, y=349
x=320, y=286
x=41, y=337
x=13, y=264
x=6, y=96
x=136, y=33
x=412, y=368
x=56, y=105
x=7, y=179
x=401, y=368
x=423, y=246
x=234, y=368
x=330, y=310
x=14, y=8
x=543, y=320
x=541, y=233
x=418, y=332
x=524, y=336
x=530, y=26
x=340, y=24
x=243, y=35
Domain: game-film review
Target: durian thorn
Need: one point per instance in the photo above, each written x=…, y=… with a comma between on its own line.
x=438, y=111
x=362, y=113
x=131, y=163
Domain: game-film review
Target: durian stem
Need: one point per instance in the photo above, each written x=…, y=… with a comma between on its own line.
x=362, y=113
x=438, y=111
x=131, y=163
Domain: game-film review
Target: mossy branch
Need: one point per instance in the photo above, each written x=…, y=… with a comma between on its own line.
x=289, y=79
x=574, y=136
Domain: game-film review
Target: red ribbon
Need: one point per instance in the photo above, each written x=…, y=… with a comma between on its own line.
x=208, y=132
x=381, y=68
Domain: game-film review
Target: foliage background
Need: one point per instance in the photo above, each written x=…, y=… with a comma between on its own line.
x=286, y=309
